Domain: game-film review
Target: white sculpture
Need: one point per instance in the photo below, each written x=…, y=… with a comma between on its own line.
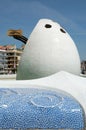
x=49, y=50
x=37, y=103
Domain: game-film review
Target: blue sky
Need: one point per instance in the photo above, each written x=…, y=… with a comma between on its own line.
x=24, y=14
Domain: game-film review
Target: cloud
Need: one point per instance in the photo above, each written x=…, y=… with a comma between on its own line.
x=39, y=10
x=82, y=33
x=27, y=13
x=31, y=11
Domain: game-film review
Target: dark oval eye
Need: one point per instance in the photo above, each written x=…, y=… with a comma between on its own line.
x=62, y=30
x=48, y=26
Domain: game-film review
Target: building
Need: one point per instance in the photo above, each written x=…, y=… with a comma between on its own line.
x=3, y=62
x=9, y=59
x=83, y=67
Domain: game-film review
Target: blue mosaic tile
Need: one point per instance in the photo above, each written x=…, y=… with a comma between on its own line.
x=39, y=108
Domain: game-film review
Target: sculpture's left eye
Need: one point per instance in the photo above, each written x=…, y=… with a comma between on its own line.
x=62, y=30
x=48, y=26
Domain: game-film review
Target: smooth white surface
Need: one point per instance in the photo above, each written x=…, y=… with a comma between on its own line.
x=48, y=51
x=74, y=85
x=8, y=77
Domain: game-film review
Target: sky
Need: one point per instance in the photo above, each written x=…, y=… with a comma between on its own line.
x=24, y=14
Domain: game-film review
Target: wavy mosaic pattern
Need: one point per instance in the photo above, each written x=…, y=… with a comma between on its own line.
x=39, y=108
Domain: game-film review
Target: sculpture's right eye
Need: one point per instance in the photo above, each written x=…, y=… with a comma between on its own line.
x=62, y=30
